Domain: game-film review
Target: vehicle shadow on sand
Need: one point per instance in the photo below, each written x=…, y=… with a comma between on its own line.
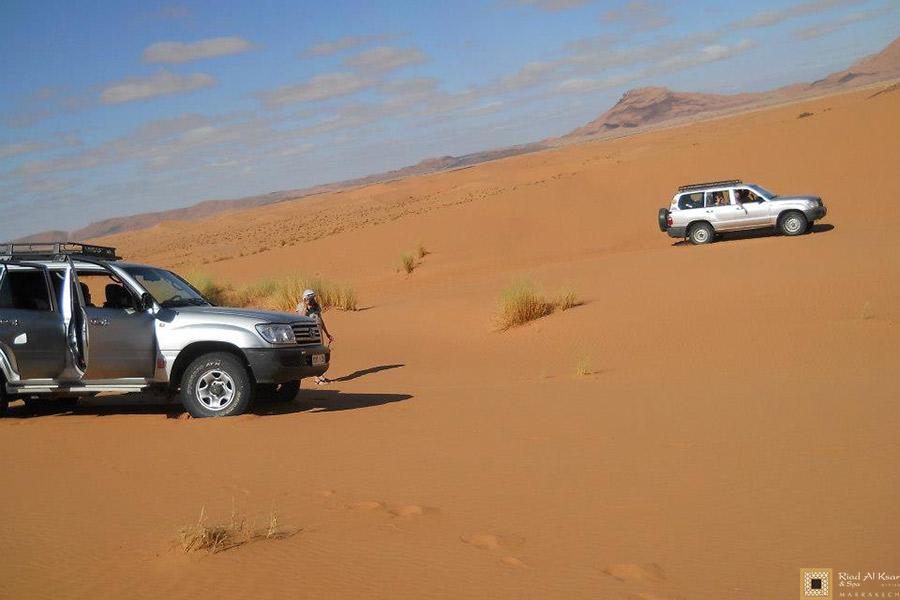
x=758, y=233
x=326, y=401
x=364, y=372
x=315, y=400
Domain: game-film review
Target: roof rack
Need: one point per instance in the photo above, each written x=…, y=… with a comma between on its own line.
x=57, y=250
x=708, y=184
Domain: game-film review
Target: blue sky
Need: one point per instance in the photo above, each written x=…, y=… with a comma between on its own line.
x=114, y=108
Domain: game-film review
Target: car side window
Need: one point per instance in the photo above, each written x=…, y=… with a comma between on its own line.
x=104, y=290
x=25, y=290
x=744, y=195
x=719, y=198
x=687, y=201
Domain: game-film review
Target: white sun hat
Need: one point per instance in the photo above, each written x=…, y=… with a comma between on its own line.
x=309, y=294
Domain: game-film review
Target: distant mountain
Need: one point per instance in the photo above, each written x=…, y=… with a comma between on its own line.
x=212, y=207
x=651, y=105
x=655, y=105
x=641, y=107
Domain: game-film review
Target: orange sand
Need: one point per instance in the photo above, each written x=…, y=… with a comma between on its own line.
x=739, y=423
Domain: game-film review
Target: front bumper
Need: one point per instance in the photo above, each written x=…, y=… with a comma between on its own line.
x=815, y=213
x=281, y=365
x=677, y=232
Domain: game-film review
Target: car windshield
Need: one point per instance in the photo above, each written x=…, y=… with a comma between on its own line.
x=167, y=288
x=762, y=191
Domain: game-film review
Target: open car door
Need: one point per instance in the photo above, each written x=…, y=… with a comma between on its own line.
x=43, y=330
x=75, y=326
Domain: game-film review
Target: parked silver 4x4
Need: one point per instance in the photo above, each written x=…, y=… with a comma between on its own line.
x=702, y=210
x=76, y=321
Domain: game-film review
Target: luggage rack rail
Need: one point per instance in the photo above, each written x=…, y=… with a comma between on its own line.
x=707, y=184
x=56, y=251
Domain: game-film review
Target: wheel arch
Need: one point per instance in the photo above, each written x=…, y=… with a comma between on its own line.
x=785, y=212
x=192, y=351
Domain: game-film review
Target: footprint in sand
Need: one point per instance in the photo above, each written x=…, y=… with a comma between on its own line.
x=651, y=596
x=513, y=562
x=366, y=505
x=487, y=541
x=648, y=572
x=412, y=510
x=325, y=493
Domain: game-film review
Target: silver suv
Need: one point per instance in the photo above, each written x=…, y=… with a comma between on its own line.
x=700, y=211
x=76, y=321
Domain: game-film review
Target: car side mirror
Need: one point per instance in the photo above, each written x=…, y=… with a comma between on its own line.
x=146, y=302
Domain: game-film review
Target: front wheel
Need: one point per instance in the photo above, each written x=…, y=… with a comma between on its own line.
x=794, y=223
x=216, y=385
x=701, y=233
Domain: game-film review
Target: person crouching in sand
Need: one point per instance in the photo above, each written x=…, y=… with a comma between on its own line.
x=309, y=307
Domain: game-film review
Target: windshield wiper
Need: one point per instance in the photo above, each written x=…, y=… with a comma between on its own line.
x=179, y=301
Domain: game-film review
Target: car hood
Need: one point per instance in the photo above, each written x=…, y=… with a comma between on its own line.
x=246, y=313
x=796, y=198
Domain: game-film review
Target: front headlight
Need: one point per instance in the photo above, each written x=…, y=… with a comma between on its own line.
x=275, y=333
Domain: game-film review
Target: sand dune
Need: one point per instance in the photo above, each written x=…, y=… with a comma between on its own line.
x=738, y=422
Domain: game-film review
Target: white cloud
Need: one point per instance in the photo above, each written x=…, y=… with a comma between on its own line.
x=639, y=15
x=821, y=29
x=320, y=87
x=768, y=18
x=160, y=84
x=385, y=58
x=181, y=52
x=345, y=43
x=20, y=148
x=552, y=5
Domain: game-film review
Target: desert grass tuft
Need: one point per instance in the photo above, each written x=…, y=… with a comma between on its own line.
x=567, y=300
x=407, y=263
x=422, y=251
x=276, y=294
x=803, y=115
x=522, y=303
x=217, y=293
x=204, y=537
x=583, y=367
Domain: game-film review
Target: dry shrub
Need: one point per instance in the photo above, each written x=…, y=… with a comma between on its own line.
x=567, y=300
x=407, y=263
x=584, y=367
x=217, y=293
x=201, y=536
x=422, y=251
x=521, y=303
x=276, y=294
x=803, y=115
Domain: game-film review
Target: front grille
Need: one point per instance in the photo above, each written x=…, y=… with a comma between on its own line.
x=306, y=333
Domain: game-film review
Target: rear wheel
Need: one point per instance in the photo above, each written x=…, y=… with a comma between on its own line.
x=216, y=385
x=277, y=392
x=701, y=233
x=4, y=401
x=793, y=223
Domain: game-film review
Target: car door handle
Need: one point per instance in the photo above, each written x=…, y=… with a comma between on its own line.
x=10, y=322
x=100, y=322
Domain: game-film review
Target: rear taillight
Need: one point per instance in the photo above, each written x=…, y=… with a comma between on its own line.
x=669, y=220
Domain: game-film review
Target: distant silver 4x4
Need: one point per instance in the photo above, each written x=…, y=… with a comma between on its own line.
x=76, y=321
x=702, y=210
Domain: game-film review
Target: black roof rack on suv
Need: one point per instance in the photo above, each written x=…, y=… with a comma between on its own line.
x=708, y=184
x=57, y=250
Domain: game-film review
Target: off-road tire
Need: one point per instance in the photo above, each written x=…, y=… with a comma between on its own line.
x=280, y=392
x=701, y=233
x=793, y=223
x=4, y=401
x=232, y=391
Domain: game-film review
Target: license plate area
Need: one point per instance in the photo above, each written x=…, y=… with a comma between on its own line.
x=318, y=360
